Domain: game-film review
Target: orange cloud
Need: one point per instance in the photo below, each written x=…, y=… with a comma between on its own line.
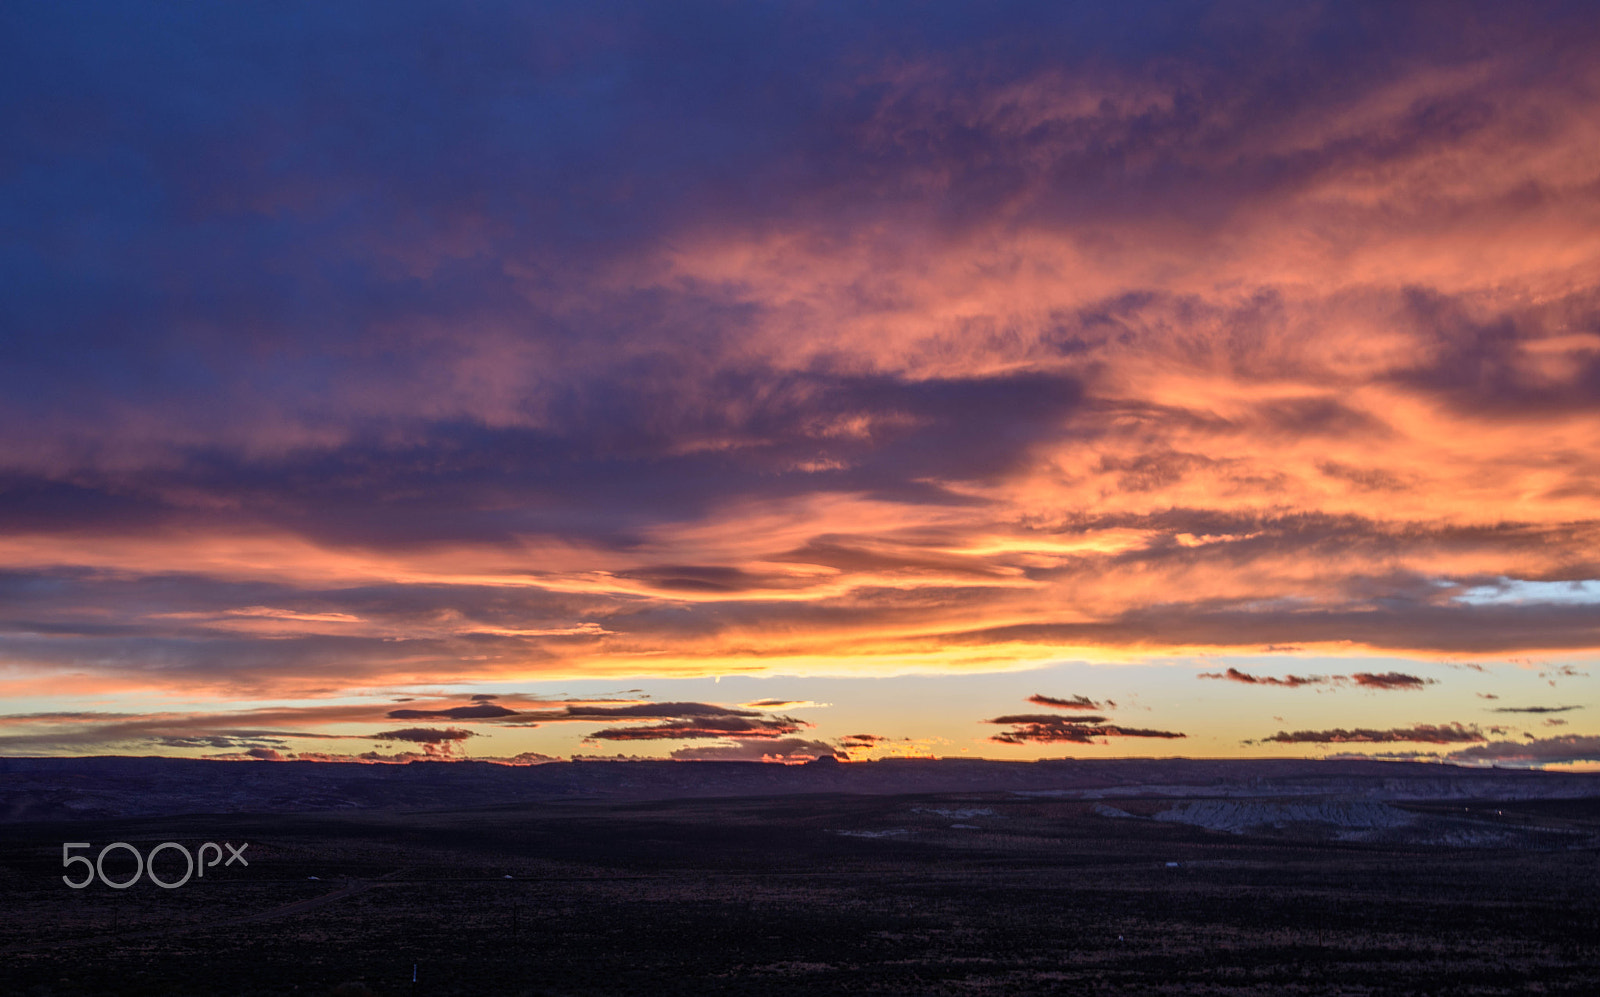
x=1094, y=358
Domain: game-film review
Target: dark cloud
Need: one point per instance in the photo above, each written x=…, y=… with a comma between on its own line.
x=437, y=743
x=96, y=731
x=639, y=711
x=704, y=726
x=1075, y=703
x=1044, y=718
x=299, y=188
x=1060, y=730
x=683, y=721
x=449, y=481
x=711, y=578
x=1400, y=625
x=1318, y=416
x=1534, y=709
x=862, y=740
x=1291, y=681
x=424, y=735
x=210, y=741
x=1480, y=363
x=1566, y=748
x=1389, y=680
x=480, y=711
x=1051, y=728
x=58, y=618
x=1453, y=733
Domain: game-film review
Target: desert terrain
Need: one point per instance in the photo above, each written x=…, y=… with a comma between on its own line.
x=1112, y=888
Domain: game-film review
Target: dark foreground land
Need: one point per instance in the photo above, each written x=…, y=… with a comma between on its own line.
x=950, y=893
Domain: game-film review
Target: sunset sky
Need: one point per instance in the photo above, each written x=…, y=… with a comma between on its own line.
x=747, y=380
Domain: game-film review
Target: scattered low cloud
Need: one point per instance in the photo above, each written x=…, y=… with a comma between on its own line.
x=1060, y=730
x=210, y=741
x=479, y=711
x=704, y=726
x=90, y=731
x=1289, y=681
x=1365, y=680
x=1044, y=718
x=1564, y=748
x=1071, y=703
x=1383, y=756
x=862, y=740
x=1452, y=733
x=858, y=746
x=95, y=731
x=1052, y=728
x=437, y=743
x=424, y=735
x=1389, y=680
x=784, y=704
